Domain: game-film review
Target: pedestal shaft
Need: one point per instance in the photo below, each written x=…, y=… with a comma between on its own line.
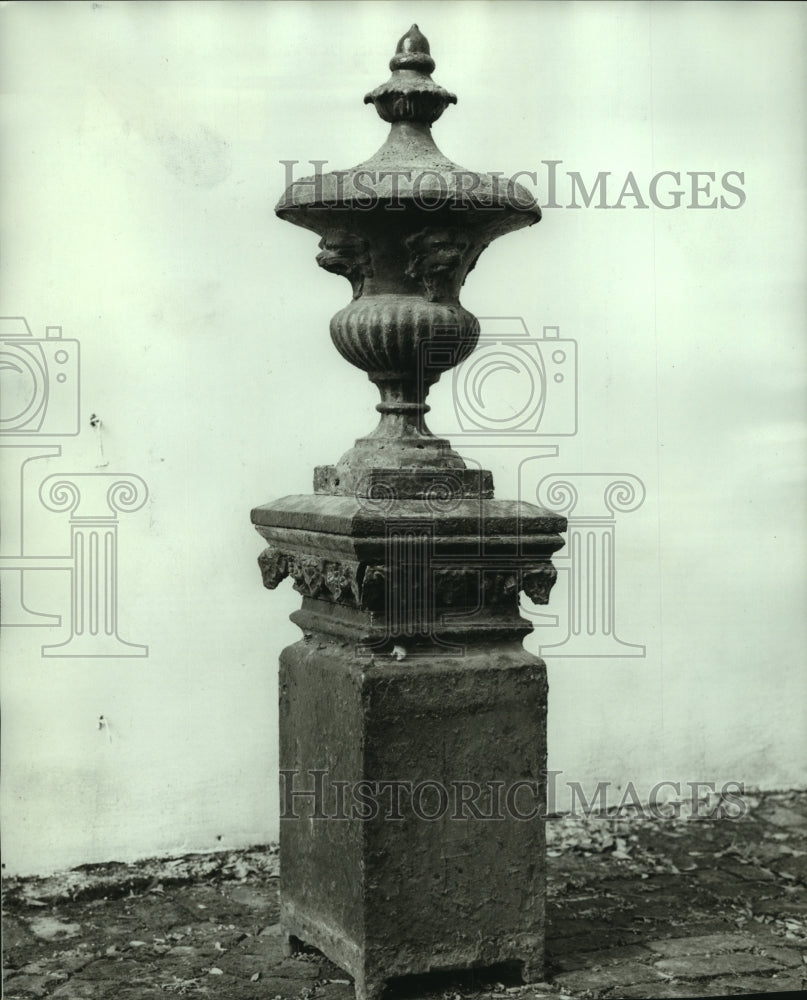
x=413, y=793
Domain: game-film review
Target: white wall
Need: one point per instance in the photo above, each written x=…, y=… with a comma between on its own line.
x=140, y=162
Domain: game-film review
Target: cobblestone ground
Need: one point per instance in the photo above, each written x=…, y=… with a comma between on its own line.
x=637, y=908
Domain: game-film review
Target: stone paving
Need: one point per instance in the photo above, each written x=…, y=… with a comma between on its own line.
x=637, y=908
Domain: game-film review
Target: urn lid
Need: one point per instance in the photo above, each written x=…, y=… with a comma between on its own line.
x=409, y=172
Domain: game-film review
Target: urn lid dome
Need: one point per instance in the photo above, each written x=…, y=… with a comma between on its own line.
x=409, y=171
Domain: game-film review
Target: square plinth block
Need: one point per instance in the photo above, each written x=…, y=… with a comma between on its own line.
x=412, y=802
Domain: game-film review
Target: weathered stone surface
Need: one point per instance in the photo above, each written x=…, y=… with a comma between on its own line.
x=592, y=934
x=17, y=942
x=254, y=899
x=358, y=525
x=698, y=966
x=779, y=907
x=719, y=883
x=702, y=945
x=787, y=957
x=576, y=960
x=779, y=816
x=777, y=983
x=335, y=991
x=51, y=929
x=421, y=883
x=439, y=485
x=76, y=990
x=115, y=969
x=411, y=670
x=663, y=990
x=270, y=987
x=27, y=985
x=606, y=977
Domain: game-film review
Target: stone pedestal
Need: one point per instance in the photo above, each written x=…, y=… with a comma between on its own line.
x=442, y=873
x=412, y=721
x=412, y=732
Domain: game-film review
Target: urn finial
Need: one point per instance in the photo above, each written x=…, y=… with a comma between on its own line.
x=410, y=94
x=413, y=52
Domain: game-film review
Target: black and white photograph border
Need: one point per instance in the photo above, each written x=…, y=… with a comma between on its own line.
x=605, y=499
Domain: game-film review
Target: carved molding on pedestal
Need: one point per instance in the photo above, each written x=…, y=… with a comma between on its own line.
x=313, y=576
x=365, y=586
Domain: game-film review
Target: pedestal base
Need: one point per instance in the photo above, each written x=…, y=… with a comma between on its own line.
x=412, y=798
